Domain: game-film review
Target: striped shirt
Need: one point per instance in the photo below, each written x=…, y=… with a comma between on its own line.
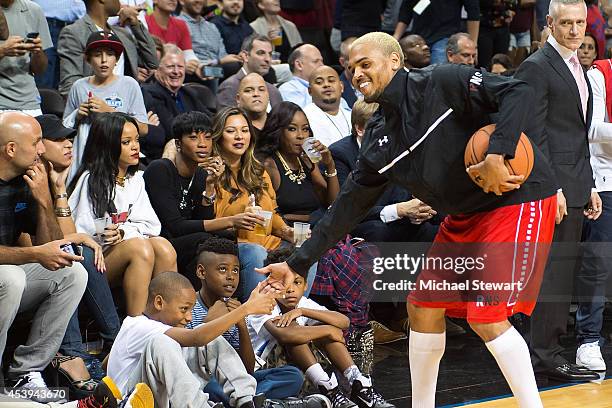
x=198, y=315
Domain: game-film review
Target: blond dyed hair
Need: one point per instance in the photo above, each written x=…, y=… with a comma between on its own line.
x=383, y=41
x=362, y=112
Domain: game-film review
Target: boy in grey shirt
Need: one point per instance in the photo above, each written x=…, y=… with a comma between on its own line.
x=104, y=91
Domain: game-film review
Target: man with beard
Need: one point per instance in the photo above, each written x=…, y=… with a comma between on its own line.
x=232, y=26
x=253, y=97
x=420, y=146
x=416, y=51
x=329, y=121
x=257, y=55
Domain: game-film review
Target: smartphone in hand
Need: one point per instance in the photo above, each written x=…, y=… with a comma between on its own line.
x=30, y=37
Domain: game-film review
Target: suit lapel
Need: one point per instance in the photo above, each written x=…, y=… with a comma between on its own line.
x=555, y=60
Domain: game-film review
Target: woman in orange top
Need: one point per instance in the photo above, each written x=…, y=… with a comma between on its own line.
x=245, y=187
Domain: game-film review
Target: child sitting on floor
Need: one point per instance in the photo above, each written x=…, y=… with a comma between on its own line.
x=218, y=269
x=148, y=349
x=294, y=323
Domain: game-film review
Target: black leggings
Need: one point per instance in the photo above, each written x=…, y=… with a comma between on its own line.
x=492, y=41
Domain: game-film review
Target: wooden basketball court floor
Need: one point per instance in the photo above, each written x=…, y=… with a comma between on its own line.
x=582, y=395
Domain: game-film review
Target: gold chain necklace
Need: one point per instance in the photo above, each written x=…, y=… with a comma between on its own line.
x=120, y=180
x=296, y=178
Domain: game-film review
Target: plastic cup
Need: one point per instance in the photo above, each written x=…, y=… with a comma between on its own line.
x=276, y=56
x=263, y=229
x=313, y=154
x=278, y=40
x=300, y=232
x=100, y=225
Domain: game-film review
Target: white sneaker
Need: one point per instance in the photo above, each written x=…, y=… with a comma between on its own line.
x=589, y=356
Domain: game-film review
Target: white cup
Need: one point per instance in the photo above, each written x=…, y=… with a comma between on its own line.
x=313, y=154
x=100, y=225
x=300, y=233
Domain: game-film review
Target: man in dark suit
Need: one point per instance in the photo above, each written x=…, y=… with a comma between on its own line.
x=166, y=97
x=559, y=128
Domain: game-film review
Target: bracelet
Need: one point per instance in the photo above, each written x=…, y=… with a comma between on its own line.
x=61, y=195
x=63, y=212
x=334, y=174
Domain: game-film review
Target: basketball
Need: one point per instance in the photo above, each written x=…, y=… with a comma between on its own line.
x=477, y=146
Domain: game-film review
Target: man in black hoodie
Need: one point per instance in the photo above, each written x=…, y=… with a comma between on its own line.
x=417, y=140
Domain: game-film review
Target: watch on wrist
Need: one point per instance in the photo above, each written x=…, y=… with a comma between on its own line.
x=209, y=200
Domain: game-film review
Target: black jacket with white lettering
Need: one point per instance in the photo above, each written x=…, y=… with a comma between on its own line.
x=448, y=103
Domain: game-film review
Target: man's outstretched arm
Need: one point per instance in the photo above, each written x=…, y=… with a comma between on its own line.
x=358, y=194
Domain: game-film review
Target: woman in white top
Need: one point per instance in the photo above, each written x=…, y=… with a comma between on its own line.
x=109, y=191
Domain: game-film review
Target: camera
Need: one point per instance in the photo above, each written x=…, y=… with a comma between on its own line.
x=71, y=248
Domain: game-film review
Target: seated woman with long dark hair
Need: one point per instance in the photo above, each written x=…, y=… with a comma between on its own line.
x=300, y=187
x=182, y=191
x=244, y=187
x=107, y=184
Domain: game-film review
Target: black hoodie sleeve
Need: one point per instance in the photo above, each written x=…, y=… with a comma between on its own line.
x=474, y=92
x=359, y=193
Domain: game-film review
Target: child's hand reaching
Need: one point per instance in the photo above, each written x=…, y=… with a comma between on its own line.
x=217, y=310
x=260, y=303
x=286, y=319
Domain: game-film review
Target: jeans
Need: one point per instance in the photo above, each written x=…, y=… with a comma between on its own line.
x=50, y=78
x=54, y=295
x=438, y=51
x=100, y=306
x=278, y=383
x=251, y=256
x=592, y=279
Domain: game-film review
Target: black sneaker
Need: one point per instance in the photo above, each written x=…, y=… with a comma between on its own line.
x=102, y=397
x=367, y=396
x=310, y=401
x=33, y=384
x=337, y=398
x=258, y=401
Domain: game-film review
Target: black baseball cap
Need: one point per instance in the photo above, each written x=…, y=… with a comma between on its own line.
x=104, y=39
x=53, y=128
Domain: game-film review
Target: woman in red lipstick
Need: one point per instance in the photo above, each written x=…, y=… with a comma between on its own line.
x=108, y=189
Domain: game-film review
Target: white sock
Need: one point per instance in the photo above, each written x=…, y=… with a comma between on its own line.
x=71, y=404
x=353, y=373
x=317, y=375
x=425, y=351
x=512, y=356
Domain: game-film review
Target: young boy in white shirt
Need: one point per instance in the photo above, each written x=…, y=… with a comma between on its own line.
x=294, y=323
x=176, y=363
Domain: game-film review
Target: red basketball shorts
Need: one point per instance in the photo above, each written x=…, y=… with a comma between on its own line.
x=487, y=266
